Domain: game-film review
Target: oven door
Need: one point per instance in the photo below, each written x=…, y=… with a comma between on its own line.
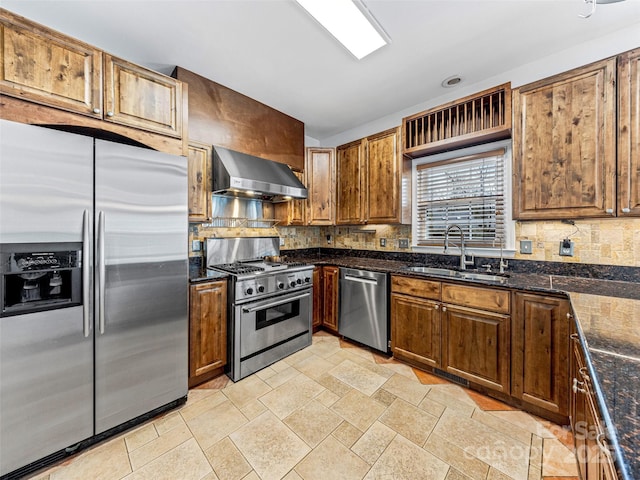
x=267, y=323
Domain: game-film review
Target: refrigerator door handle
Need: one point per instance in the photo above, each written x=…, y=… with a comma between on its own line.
x=86, y=273
x=101, y=272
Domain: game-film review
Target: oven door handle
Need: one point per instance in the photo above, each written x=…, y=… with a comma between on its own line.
x=274, y=304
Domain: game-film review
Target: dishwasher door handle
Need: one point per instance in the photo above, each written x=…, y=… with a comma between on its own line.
x=361, y=279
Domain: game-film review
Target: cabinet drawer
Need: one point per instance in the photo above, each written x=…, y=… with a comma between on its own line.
x=476, y=297
x=415, y=287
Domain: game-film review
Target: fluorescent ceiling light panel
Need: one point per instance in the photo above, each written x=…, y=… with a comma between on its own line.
x=351, y=24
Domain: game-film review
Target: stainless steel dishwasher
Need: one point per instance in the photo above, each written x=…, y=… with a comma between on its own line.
x=363, y=313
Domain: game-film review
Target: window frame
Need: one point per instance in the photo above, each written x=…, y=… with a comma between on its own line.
x=509, y=223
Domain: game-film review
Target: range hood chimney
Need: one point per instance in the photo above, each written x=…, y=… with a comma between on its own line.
x=239, y=174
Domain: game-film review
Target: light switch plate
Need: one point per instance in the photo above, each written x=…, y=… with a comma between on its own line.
x=526, y=247
x=195, y=245
x=403, y=243
x=281, y=242
x=566, y=248
x=383, y=242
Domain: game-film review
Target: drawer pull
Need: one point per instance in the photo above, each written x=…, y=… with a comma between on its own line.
x=602, y=444
x=576, y=388
x=574, y=337
x=583, y=373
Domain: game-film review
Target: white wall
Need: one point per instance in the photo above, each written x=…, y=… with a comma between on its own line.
x=602, y=47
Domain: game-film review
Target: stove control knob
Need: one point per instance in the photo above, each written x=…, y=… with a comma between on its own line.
x=307, y=280
x=280, y=285
x=249, y=291
x=261, y=288
x=293, y=284
x=299, y=281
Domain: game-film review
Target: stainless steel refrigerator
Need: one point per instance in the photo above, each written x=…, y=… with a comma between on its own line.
x=75, y=366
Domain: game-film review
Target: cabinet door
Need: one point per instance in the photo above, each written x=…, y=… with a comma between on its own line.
x=564, y=145
x=317, y=298
x=629, y=133
x=207, y=327
x=141, y=98
x=199, y=174
x=351, y=194
x=578, y=410
x=383, y=177
x=321, y=180
x=330, y=282
x=476, y=346
x=292, y=212
x=540, y=352
x=43, y=66
x=415, y=329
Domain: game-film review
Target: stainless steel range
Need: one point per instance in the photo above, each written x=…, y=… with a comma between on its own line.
x=270, y=303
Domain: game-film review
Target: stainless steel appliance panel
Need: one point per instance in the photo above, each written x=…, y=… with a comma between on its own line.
x=363, y=313
x=141, y=351
x=46, y=385
x=46, y=182
x=239, y=249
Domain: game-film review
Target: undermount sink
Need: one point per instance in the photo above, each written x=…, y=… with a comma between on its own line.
x=446, y=272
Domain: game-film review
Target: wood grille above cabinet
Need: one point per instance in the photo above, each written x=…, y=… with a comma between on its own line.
x=478, y=118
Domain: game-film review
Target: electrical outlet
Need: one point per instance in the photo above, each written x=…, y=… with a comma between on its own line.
x=566, y=248
x=383, y=242
x=403, y=243
x=281, y=242
x=196, y=245
x=526, y=246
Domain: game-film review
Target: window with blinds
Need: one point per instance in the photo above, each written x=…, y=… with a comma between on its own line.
x=468, y=191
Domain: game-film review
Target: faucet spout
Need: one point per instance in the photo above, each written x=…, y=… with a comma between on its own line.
x=464, y=261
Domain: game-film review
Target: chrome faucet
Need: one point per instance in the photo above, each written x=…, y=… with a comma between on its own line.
x=464, y=261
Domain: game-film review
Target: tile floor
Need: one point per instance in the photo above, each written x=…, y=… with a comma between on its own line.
x=332, y=411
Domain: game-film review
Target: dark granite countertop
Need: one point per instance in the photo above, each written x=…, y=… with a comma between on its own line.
x=199, y=274
x=607, y=314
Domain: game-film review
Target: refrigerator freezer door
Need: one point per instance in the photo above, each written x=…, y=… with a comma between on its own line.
x=46, y=361
x=141, y=349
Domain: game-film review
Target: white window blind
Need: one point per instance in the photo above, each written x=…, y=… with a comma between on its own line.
x=467, y=191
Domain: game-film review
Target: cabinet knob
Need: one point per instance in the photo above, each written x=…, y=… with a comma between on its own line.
x=576, y=388
x=444, y=309
x=569, y=316
x=626, y=210
x=436, y=307
x=109, y=114
x=574, y=337
x=601, y=443
x=96, y=110
x=609, y=210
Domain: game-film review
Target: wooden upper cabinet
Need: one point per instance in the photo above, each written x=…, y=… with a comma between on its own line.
x=46, y=67
x=629, y=133
x=564, y=149
x=142, y=98
x=292, y=212
x=350, y=185
x=384, y=164
x=321, y=181
x=199, y=182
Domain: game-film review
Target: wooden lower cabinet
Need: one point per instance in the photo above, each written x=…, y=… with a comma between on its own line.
x=592, y=451
x=476, y=346
x=207, y=330
x=330, y=283
x=415, y=329
x=317, y=298
x=540, y=352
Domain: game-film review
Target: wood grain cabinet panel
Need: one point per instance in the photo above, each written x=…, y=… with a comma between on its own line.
x=350, y=187
x=477, y=297
x=46, y=67
x=207, y=329
x=476, y=346
x=540, y=352
x=317, y=298
x=142, y=98
x=384, y=166
x=320, y=169
x=415, y=334
x=330, y=285
x=416, y=287
x=629, y=133
x=199, y=182
x=564, y=145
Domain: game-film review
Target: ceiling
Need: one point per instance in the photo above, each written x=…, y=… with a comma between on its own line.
x=272, y=51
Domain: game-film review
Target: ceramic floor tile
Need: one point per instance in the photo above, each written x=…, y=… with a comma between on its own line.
x=523, y=436
x=314, y=366
x=403, y=460
x=409, y=421
x=269, y=446
x=492, y=447
x=212, y=427
x=455, y=475
x=432, y=407
x=247, y=389
x=464, y=463
x=373, y=442
x=526, y=422
x=200, y=406
x=227, y=461
x=252, y=476
x=159, y=446
x=495, y=474
x=331, y=459
x=313, y=422
x=402, y=369
x=168, y=421
x=266, y=373
x=186, y=462
x=292, y=395
x=429, y=379
x=358, y=409
x=437, y=394
x=384, y=397
x=358, y=377
x=108, y=461
x=535, y=472
x=300, y=355
x=336, y=386
x=325, y=349
x=535, y=456
x=487, y=403
x=347, y=434
x=327, y=398
x=253, y=409
x=557, y=459
x=282, y=377
x=409, y=390
x=140, y=436
x=292, y=475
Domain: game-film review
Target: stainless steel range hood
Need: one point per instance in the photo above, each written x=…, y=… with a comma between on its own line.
x=239, y=174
